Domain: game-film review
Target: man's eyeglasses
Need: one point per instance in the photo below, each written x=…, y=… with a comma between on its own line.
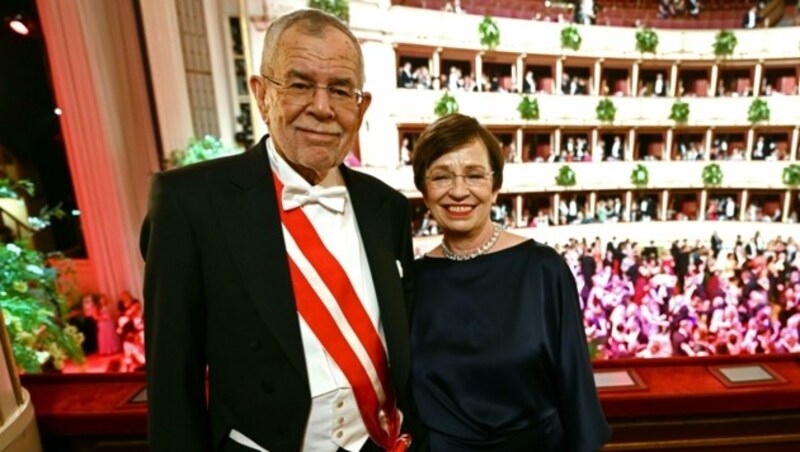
x=301, y=92
x=446, y=179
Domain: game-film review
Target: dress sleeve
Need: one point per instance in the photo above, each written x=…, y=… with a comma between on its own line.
x=582, y=419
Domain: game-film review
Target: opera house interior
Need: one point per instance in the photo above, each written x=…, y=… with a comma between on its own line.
x=654, y=144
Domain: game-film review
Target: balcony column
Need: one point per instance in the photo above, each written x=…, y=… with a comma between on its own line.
x=518, y=204
x=556, y=147
x=712, y=90
x=634, y=88
x=629, y=146
x=787, y=200
x=479, y=70
x=520, y=72
x=793, y=151
x=757, y=76
x=593, y=204
x=626, y=216
x=707, y=147
x=518, y=146
x=673, y=80
x=598, y=75
x=436, y=68
x=554, y=208
x=666, y=155
x=743, y=205
x=751, y=135
x=701, y=214
x=597, y=155
x=559, y=74
x=664, y=210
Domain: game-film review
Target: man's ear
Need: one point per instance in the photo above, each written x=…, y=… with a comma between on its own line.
x=259, y=89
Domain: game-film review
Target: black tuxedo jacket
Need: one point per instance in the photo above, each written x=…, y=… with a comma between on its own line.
x=219, y=303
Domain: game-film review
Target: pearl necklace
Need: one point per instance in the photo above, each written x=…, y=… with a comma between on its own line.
x=448, y=253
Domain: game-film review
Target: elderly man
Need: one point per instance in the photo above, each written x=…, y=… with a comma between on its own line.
x=278, y=275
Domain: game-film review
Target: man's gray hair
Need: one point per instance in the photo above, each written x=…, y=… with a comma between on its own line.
x=312, y=22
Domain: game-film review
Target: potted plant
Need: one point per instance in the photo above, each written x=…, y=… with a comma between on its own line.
x=33, y=307
x=679, y=111
x=209, y=147
x=724, y=43
x=606, y=111
x=640, y=176
x=489, y=33
x=791, y=175
x=566, y=176
x=445, y=105
x=339, y=8
x=712, y=175
x=646, y=40
x=758, y=111
x=570, y=38
x=528, y=108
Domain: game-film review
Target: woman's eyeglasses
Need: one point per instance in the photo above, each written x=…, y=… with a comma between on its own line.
x=447, y=179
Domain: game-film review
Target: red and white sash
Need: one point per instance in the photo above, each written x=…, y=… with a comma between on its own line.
x=344, y=330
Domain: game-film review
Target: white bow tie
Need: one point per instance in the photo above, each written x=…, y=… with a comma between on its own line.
x=332, y=198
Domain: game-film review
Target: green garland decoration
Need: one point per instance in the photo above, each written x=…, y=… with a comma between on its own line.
x=791, y=175
x=339, y=8
x=640, y=176
x=606, y=111
x=712, y=175
x=646, y=40
x=528, y=108
x=724, y=43
x=566, y=176
x=758, y=111
x=446, y=105
x=679, y=112
x=489, y=33
x=571, y=38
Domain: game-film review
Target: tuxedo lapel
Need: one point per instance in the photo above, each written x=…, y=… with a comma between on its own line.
x=374, y=225
x=248, y=211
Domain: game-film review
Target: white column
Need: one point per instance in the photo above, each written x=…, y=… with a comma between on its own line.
x=99, y=82
x=379, y=136
x=712, y=90
x=165, y=56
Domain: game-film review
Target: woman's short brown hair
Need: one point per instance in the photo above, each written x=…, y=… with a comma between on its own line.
x=447, y=134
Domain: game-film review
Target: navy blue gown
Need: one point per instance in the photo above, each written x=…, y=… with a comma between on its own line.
x=499, y=357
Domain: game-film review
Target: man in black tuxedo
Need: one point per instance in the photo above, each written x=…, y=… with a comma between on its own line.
x=257, y=264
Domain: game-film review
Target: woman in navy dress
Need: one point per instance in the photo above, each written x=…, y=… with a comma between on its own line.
x=500, y=360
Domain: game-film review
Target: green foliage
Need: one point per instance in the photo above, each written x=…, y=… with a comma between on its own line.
x=489, y=32
x=758, y=111
x=566, y=176
x=646, y=40
x=10, y=188
x=791, y=175
x=14, y=189
x=339, y=8
x=640, y=176
x=528, y=108
x=198, y=151
x=606, y=111
x=570, y=38
x=679, y=112
x=445, y=105
x=724, y=43
x=34, y=310
x=712, y=175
